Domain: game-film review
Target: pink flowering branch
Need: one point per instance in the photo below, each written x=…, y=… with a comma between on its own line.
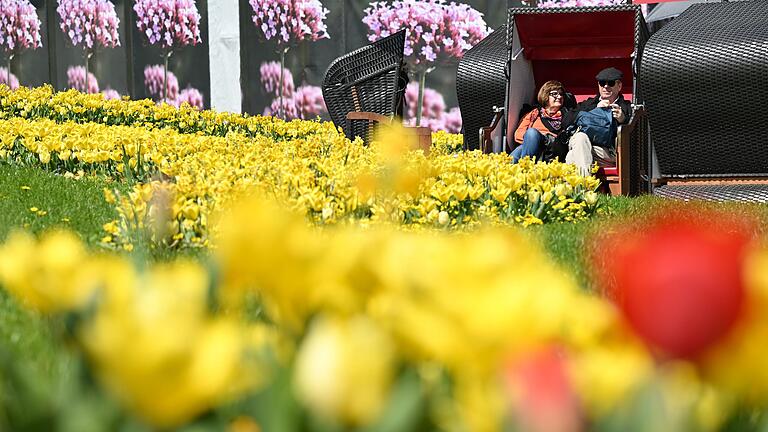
x=19, y=29
x=90, y=23
x=436, y=31
x=289, y=22
x=76, y=79
x=171, y=24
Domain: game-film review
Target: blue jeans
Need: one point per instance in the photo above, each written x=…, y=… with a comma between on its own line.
x=533, y=145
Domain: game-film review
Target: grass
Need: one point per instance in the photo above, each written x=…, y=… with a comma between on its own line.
x=36, y=200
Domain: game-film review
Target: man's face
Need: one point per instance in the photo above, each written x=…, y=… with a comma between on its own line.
x=609, y=89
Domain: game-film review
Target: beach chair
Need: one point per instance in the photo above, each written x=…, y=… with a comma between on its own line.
x=502, y=74
x=367, y=87
x=703, y=78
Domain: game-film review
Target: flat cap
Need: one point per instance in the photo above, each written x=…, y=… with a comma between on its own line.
x=608, y=74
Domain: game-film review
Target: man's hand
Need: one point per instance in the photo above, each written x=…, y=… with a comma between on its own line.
x=603, y=103
x=618, y=114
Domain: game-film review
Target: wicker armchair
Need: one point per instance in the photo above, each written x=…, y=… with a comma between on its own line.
x=700, y=74
x=367, y=86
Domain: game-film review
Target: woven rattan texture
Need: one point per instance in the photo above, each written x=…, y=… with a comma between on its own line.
x=638, y=156
x=704, y=78
x=371, y=79
x=736, y=192
x=481, y=84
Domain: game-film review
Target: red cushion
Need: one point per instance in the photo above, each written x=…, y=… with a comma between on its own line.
x=607, y=171
x=572, y=47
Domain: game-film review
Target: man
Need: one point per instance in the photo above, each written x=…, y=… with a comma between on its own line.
x=582, y=152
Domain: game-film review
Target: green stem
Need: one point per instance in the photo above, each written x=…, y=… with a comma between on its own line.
x=88, y=55
x=420, y=100
x=281, y=108
x=8, y=74
x=166, y=57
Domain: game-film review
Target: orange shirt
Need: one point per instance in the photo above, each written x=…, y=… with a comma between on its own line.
x=532, y=120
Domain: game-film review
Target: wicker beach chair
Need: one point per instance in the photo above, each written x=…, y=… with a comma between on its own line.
x=703, y=77
x=367, y=86
x=500, y=75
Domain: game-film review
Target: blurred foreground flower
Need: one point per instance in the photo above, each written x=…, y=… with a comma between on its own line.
x=679, y=278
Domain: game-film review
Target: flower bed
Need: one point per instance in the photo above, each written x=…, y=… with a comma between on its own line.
x=188, y=164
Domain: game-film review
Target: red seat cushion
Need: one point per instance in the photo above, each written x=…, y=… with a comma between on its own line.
x=607, y=171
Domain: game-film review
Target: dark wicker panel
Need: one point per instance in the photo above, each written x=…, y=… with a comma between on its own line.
x=735, y=192
x=638, y=149
x=481, y=84
x=703, y=78
x=372, y=78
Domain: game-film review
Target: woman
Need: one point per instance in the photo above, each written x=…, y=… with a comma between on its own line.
x=542, y=123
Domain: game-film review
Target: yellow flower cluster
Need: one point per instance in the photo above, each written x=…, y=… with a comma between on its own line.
x=349, y=307
x=311, y=166
x=355, y=302
x=151, y=336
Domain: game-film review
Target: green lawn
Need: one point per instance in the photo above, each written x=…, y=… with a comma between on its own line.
x=36, y=200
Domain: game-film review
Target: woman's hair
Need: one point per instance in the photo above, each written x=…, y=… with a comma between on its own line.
x=548, y=87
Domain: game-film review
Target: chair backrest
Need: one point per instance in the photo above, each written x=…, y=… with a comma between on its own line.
x=370, y=79
x=703, y=78
x=480, y=84
x=570, y=45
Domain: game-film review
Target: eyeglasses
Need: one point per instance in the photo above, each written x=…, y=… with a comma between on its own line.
x=554, y=94
x=610, y=83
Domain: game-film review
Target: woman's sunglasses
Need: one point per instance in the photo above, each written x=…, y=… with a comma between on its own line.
x=610, y=83
x=554, y=94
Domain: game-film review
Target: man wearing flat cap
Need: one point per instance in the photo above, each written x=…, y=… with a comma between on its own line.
x=581, y=151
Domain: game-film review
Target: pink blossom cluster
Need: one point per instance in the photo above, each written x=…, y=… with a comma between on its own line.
x=169, y=23
x=436, y=30
x=578, y=3
x=4, y=79
x=110, y=94
x=309, y=101
x=290, y=21
x=269, y=73
x=153, y=82
x=305, y=103
x=289, y=111
x=452, y=120
x=90, y=22
x=76, y=80
x=433, y=114
x=190, y=95
x=19, y=25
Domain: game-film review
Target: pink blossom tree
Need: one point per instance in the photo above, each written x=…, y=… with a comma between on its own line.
x=19, y=29
x=169, y=24
x=288, y=22
x=80, y=79
x=437, y=32
x=90, y=23
x=304, y=102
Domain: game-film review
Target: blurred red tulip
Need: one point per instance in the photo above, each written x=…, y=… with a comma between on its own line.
x=678, y=280
x=544, y=397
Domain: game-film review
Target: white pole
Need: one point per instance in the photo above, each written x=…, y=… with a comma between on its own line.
x=224, y=54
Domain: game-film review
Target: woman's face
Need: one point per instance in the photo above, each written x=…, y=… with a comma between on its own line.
x=555, y=99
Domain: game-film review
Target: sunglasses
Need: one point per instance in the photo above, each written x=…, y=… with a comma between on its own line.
x=554, y=94
x=610, y=83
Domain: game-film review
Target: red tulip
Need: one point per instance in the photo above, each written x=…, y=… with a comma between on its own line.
x=678, y=280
